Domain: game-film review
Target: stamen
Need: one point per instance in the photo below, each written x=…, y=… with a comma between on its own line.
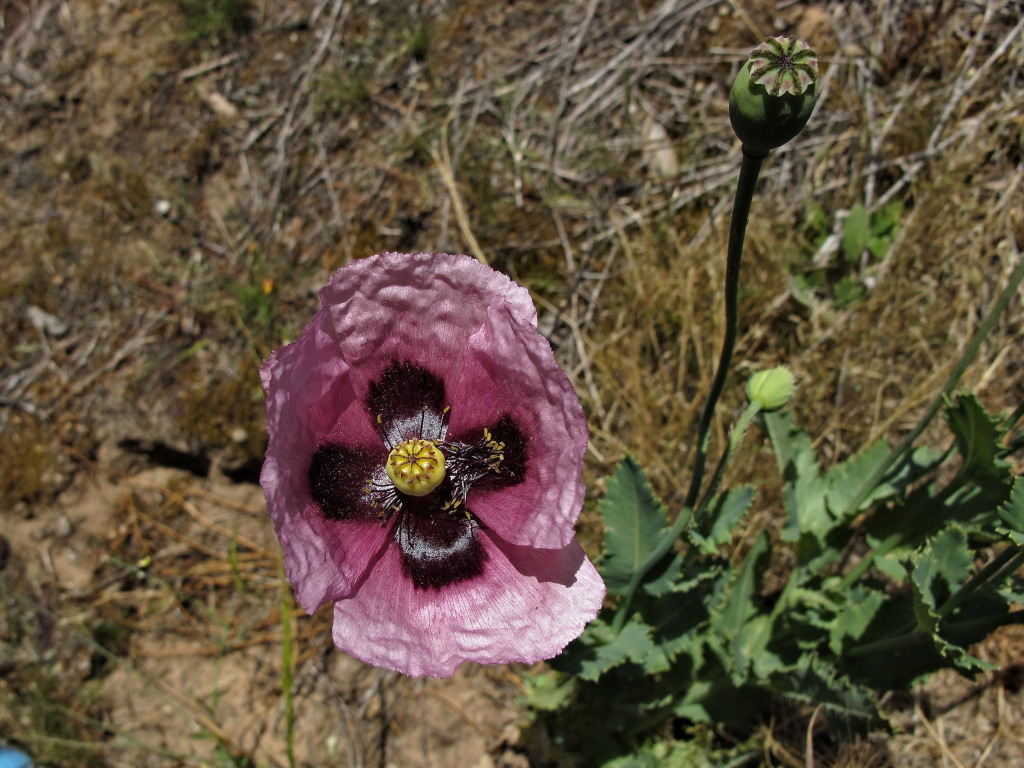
x=469, y=463
x=382, y=497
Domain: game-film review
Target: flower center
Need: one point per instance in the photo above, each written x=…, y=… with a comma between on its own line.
x=416, y=467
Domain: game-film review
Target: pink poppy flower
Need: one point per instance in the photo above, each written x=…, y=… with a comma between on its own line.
x=423, y=469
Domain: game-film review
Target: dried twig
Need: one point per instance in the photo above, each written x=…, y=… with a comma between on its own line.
x=443, y=163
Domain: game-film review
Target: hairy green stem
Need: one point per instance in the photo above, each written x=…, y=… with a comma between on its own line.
x=750, y=168
x=915, y=637
x=749, y=171
x=966, y=359
x=866, y=488
x=287, y=666
x=735, y=437
x=1014, y=417
x=1011, y=558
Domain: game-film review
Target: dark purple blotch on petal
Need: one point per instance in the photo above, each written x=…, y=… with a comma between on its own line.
x=338, y=477
x=512, y=468
x=438, y=548
x=492, y=458
x=407, y=402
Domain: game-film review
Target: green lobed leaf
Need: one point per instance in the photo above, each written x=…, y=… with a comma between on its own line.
x=805, y=489
x=664, y=577
x=634, y=520
x=844, y=481
x=676, y=620
x=750, y=649
x=716, y=700
x=1011, y=513
x=674, y=578
x=548, y=691
x=907, y=655
x=912, y=467
x=807, y=498
x=815, y=607
x=972, y=622
x=725, y=510
x=977, y=439
x=816, y=682
x=941, y=567
x=633, y=643
x=664, y=652
x=856, y=230
x=986, y=609
x=930, y=508
x=959, y=658
x=599, y=649
x=787, y=440
x=854, y=617
x=739, y=606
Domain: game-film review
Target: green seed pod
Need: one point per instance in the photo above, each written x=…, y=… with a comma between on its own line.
x=774, y=93
x=771, y=389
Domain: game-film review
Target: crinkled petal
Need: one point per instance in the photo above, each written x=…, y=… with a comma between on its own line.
x=526, y=605
x=510, y=370
x=325, y=559
x=308, y=396
x=417, y=307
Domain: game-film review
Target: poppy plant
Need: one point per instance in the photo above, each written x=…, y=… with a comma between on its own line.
x=423, y=468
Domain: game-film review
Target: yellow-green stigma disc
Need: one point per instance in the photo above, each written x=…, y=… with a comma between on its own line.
x=416, y=467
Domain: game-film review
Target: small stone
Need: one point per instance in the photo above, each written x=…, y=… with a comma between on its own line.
x=658, y=151
x=46, y=323
x=63, y=526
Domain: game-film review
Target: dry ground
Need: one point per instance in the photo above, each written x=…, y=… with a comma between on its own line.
x=177, y=185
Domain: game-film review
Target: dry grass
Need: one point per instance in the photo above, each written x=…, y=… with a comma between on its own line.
x=172, y=204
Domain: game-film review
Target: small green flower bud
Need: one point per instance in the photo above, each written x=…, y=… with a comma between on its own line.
x=771, y=389
x=774, y=93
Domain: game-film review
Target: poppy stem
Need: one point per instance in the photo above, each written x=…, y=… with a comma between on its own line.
x=869, y=484
x=749, y=171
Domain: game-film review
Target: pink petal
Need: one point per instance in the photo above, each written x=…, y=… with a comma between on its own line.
x=417, y=307
x=527, y=605
x=306, y=389
x=509, y=369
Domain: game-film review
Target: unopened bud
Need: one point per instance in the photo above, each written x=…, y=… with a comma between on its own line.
x=771, y=389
